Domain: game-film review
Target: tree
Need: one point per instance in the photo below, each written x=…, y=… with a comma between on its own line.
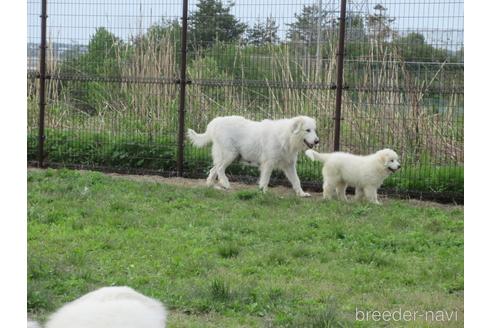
x=161, y=38
x=213, y=22
x=101, y=57
x=263, y=33
x=311, y=23
x=157, y=33
x=459, y=56
x=414, y=48
x=104, y=54
x=379, y=25
x=355, y=30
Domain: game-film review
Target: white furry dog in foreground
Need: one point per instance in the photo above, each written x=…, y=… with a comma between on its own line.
x=32, y=324
x=365, y=173
x=109, y=307
x=269, y=144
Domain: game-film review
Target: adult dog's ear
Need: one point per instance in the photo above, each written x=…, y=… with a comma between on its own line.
x=297, y=125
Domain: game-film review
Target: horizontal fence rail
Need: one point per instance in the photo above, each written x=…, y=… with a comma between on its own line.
x=114, y=86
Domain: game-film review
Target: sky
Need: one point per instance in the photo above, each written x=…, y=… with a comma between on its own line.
x=440, y=21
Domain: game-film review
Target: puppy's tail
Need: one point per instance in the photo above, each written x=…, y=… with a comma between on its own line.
x=315, y=156
x=199, y=139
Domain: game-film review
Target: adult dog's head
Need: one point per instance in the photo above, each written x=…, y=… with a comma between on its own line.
x=304, y=131
x=389, y=159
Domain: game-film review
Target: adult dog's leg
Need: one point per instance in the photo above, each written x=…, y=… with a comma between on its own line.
x=371, y=194
x=265, y=173
x=211, y=176
x=291, y=174
x=359, y=193
x=217, y=157
x=227, y=159
x=341, y=191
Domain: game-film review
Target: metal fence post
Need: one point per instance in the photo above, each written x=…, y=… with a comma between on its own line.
x=182, y=89
x=340, y=55
x=42, y=82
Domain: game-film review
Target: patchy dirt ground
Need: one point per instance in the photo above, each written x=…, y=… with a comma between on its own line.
x=235, y=186
x=280, y=190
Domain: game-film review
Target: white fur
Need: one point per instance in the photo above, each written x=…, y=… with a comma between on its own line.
x=269, y=144
x=32, y=324
x=109, y=307
x=365, y=173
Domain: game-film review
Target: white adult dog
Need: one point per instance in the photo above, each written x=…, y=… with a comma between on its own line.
x=269, y=144
x=365, y=173
x=109, y=307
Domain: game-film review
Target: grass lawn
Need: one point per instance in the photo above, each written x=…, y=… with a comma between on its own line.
x=240, y=258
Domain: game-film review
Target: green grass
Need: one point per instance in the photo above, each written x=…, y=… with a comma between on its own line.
x=241, y=258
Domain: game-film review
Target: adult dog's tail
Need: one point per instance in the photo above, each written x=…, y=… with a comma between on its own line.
x=315, y=156
x=199, y=139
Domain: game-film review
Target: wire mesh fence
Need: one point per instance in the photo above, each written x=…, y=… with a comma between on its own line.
x=113, y=87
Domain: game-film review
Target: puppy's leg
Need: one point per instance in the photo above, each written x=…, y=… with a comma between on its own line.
x=227, y=159
x=265, y=173
x=371, y=194
x=326, y=185
x=291, y=174
x=341, y=191
x=327, y=190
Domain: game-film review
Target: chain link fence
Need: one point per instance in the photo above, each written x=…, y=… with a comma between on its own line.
x=110, y=89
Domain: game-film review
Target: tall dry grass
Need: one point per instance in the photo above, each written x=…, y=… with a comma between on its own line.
x=387, y=105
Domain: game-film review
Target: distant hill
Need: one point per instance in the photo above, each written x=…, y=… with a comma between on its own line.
x=61, y=50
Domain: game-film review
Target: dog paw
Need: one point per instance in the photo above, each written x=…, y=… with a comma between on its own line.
x=303, y=194
x=225, y=185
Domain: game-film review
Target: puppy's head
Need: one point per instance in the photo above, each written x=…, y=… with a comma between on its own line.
x=389, y=159
x=304, y=128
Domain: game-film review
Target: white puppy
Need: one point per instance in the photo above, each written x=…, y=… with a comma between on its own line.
x=365, y=173
x=110, y=307
x=269, y=144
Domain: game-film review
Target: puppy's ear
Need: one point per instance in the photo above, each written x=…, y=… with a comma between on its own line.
x=297, y=125
x=382, y=157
